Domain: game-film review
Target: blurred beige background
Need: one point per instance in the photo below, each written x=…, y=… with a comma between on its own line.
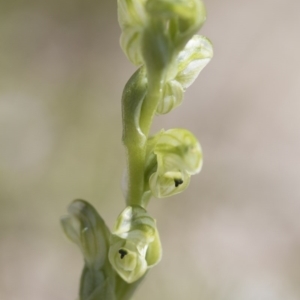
x=234, y=234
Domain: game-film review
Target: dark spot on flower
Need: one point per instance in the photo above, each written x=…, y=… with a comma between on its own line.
x=123, y=253
x=178, y=182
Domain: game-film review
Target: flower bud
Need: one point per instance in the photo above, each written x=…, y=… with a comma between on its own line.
x=135, y=244
x=178, y=155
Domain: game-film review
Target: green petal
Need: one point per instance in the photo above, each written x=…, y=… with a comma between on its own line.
x=192, y=60
x=131, y=13
x=178, y=155
x=132, y=19
x=135, y=223
x=130, y=43
x=172, y=97
x=130, y=267
x=179, y=149
x=154, y=252
x=168, y=184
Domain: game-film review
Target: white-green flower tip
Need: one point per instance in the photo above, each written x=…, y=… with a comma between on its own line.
x=85, y=227
x=132, y=18
x=135, y=245
x=172, y=97
x=189, y=63
x=166, y=25
x=192, y=59
x=179, y=156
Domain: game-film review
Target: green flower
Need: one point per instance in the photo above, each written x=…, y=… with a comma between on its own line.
x=189, y=63
x=153, y=31
x=179, y=156
x=135, y=244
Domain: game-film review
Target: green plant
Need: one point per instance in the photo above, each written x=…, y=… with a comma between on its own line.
x=159, y=37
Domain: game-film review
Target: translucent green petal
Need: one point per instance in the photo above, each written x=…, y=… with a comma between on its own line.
x=172, y=97
x=132, y=19
x=154, y=252
x=192, y=60
x=169, y=183
x=130, y=43
x=179, y=149
x=127, y=260
x=131, y=13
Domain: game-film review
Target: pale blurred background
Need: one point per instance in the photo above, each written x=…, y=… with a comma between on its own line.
x=234, y=234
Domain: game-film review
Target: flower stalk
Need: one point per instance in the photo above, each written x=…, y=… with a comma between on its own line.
x=158, y=36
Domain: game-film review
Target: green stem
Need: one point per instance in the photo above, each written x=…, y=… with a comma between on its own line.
x=140, y=100
x=150, y=103
x=133, y=138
